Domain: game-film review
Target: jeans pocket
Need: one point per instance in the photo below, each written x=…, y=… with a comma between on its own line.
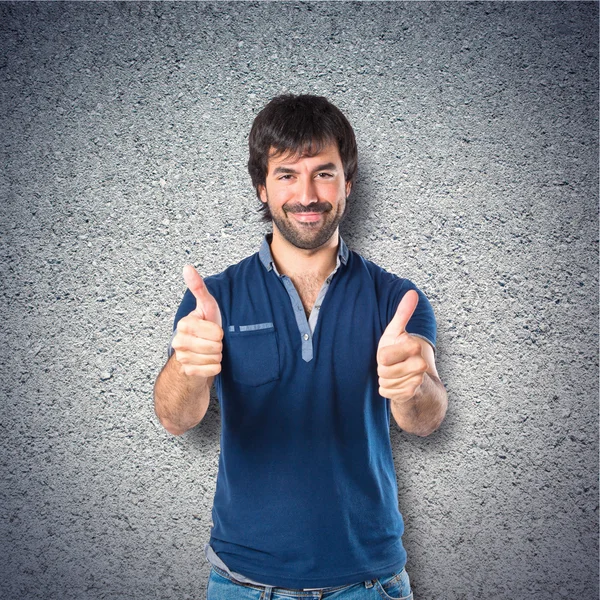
x=223, y=588
x=253, y=355
x=395, y=587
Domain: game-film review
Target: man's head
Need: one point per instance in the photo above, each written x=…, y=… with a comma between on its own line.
x=298, y=126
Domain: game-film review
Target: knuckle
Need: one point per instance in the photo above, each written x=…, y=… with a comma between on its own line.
x=195, y=371
x=414, y=346
x=382, y=357
x=211, y=370
x=211, y=360
x=190, y=370
x=211, y=331
x=387, y=384
x=184, y=325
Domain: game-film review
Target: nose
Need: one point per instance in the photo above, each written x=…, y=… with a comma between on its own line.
x=307, y=191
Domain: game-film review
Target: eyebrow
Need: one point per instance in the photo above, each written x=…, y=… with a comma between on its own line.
x=324, y=167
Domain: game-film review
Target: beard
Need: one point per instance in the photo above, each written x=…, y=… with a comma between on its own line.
x=308, y=236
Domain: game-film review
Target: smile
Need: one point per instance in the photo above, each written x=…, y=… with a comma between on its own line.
x=307, y=217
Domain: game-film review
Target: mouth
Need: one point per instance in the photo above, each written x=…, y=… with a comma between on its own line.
x=305, y=217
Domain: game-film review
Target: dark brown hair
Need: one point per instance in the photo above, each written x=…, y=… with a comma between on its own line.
x=301, y=126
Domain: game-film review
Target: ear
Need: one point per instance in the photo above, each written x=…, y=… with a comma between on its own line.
x=262, y=193
x=348, y=188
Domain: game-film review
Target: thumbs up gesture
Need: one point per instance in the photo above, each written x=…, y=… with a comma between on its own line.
x=400, y=363
x=198, y=342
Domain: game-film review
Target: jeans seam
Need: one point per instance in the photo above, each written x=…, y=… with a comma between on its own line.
x=386, y=596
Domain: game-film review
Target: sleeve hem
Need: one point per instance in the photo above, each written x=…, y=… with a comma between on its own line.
x=426, y=339
x=170, y=350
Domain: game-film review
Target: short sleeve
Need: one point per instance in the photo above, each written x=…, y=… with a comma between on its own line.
x=422, y=323
x=391, y=290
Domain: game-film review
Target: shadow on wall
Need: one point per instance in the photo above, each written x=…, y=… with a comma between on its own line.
x=358, y=207
x=208, y=431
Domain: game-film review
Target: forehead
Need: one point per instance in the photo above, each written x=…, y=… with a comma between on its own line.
x=329, y=153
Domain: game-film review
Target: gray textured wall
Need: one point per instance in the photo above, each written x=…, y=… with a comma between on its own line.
x=124, y=131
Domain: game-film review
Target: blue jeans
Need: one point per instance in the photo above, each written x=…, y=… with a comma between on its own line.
x=394, y=587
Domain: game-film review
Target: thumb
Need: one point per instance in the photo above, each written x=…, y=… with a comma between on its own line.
x=206, y=305
x=404, y=312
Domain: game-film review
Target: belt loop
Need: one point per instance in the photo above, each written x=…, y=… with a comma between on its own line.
x=268, y=592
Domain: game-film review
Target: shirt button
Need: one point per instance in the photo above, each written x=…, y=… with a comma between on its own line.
x=306, y=337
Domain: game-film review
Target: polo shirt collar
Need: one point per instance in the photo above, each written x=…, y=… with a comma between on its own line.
x=266, y=258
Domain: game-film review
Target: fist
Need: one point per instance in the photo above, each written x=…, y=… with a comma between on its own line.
x=198, y=343
x=400, y=363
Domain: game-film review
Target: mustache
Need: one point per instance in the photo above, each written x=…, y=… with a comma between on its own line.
x=317, y=207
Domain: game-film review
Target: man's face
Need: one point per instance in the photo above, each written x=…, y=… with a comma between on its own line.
x=306, y=196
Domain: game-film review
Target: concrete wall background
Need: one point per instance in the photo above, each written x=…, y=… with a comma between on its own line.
x=124, y=144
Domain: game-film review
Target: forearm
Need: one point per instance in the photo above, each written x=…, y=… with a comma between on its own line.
x=180, y=401
x=424, y=412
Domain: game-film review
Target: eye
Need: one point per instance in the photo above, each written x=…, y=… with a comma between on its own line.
x=284, y=177
x=325, y=175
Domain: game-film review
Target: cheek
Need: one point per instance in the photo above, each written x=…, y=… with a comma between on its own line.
x=280, y=197
x=276, y=196
x=335, y=194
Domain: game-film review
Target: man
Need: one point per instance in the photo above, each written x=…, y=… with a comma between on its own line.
x=311, y=349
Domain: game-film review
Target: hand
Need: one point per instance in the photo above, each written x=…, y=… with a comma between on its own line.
x=400, y=363
x=198, y=342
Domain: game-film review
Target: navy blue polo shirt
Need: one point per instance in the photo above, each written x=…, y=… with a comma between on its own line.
x=306, y=492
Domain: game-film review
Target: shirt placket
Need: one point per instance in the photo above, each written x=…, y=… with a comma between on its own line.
x=306, y=327
x=301, y=321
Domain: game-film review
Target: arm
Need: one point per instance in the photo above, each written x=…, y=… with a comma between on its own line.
x=423, y=412
x=182, y=388
x=180, y=400
x=408, y=375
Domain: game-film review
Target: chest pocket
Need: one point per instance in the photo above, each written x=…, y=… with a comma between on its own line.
x=253, y=353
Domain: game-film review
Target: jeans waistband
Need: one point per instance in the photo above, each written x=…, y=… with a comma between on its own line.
x=293, y=593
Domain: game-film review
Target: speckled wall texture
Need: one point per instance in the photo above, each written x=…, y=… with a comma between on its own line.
x=124, y=148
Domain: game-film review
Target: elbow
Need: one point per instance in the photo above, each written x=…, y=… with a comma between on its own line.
x=175, y=430
x=427, y=431
x=424, y=424
x=420, y=429
x=174, y=426
x=169, y=424
x=171, y=427
x=433, y=425
x=436, y=415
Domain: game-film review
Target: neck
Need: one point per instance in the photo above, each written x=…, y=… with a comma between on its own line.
x=291, y=260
